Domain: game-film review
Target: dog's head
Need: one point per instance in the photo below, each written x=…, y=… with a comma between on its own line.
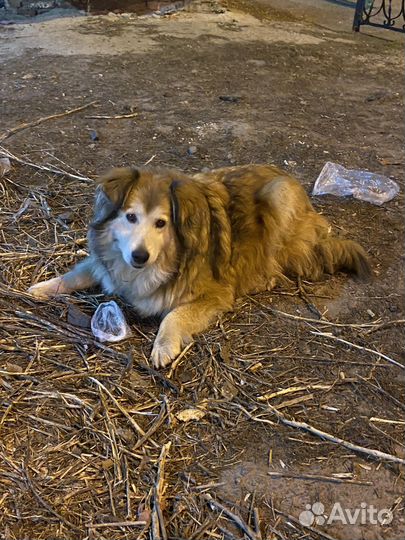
x=162, y=214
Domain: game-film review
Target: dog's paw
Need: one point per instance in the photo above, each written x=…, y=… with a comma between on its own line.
x=164, y=352
x=48, y=289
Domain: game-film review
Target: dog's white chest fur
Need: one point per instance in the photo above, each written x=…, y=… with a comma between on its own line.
x=140, y=288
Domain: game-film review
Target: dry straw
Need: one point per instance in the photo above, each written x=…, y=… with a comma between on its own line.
x=90, y=445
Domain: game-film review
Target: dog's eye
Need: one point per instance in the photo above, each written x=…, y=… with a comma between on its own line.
x=160, y=223
x=132, y=218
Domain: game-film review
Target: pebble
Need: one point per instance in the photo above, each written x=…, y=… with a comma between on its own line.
x=66, y=217
x=5, y=166
x=230, y=99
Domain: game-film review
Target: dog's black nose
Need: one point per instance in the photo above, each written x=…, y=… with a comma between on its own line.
x=139, y=257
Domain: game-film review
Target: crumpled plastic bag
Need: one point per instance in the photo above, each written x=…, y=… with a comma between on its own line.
x=364, y=185
x=108, y=323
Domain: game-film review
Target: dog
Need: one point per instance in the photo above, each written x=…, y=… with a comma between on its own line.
x=184, y=247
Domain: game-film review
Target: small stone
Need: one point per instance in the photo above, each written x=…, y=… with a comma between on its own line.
x=66, y=217
x=77, y=317
x=148, y=107
x=192, y=150
x=5, y=166
x=255, y=62
x=230, y=99
x=378, y=95
x=93, y=135
x=165, y=130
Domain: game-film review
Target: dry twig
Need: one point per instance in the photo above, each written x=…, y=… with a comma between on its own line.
x=158, y=528
x=318, y=478
x=359, y=347
x=236, y=519
x=48, y=507
x=318, y=532
x=114, y=117
x=60, y=172
x=117, y=524
x=324, y=435
x=26, y=125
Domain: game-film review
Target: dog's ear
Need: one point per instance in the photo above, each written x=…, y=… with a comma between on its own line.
x=117, y=182
x=199, y=214
x=220, y=230
x=190, y=216
x=111, y=193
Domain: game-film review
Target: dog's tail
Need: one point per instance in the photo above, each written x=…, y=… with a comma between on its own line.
x=338, y=254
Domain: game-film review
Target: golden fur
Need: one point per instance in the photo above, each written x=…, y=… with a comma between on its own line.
x=209, y=238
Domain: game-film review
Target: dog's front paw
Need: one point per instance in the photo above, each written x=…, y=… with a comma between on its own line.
x=48, y=289
x=165, y=351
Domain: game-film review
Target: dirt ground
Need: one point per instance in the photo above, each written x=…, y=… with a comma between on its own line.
x=82, y=427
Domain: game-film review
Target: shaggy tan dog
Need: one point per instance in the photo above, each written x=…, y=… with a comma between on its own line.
x=184, y=247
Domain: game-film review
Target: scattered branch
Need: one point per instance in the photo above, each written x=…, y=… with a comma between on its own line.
x=359, y=347
x=41, y=120
x=117, y=524
x=324, y=435
x=116, y=117
x=236, y=519
x=48, y=507
x=54, y=170
x=158, y=528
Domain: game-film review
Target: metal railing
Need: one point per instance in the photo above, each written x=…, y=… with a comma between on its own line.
x=388, y=14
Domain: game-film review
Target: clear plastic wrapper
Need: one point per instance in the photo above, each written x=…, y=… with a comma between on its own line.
x=366, y=186
x=108, y=323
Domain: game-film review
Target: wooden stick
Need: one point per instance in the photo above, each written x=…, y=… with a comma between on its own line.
x=303, y=295
x=116, y=117
x=317, y=478
x=158, y=528
x=116, y=524
x=387, y=421
x=152, y=429
x=177, y=361
x=385, y=324
x=372, y=325
x=366, y=349
x=323, y=435
x=48, y=507
x=77, y=334
x=312, y=529
x=26, y=125
x=294, y=389
x=256, y=521
x=6, y=153
x=236, y=519
x=136, y=427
